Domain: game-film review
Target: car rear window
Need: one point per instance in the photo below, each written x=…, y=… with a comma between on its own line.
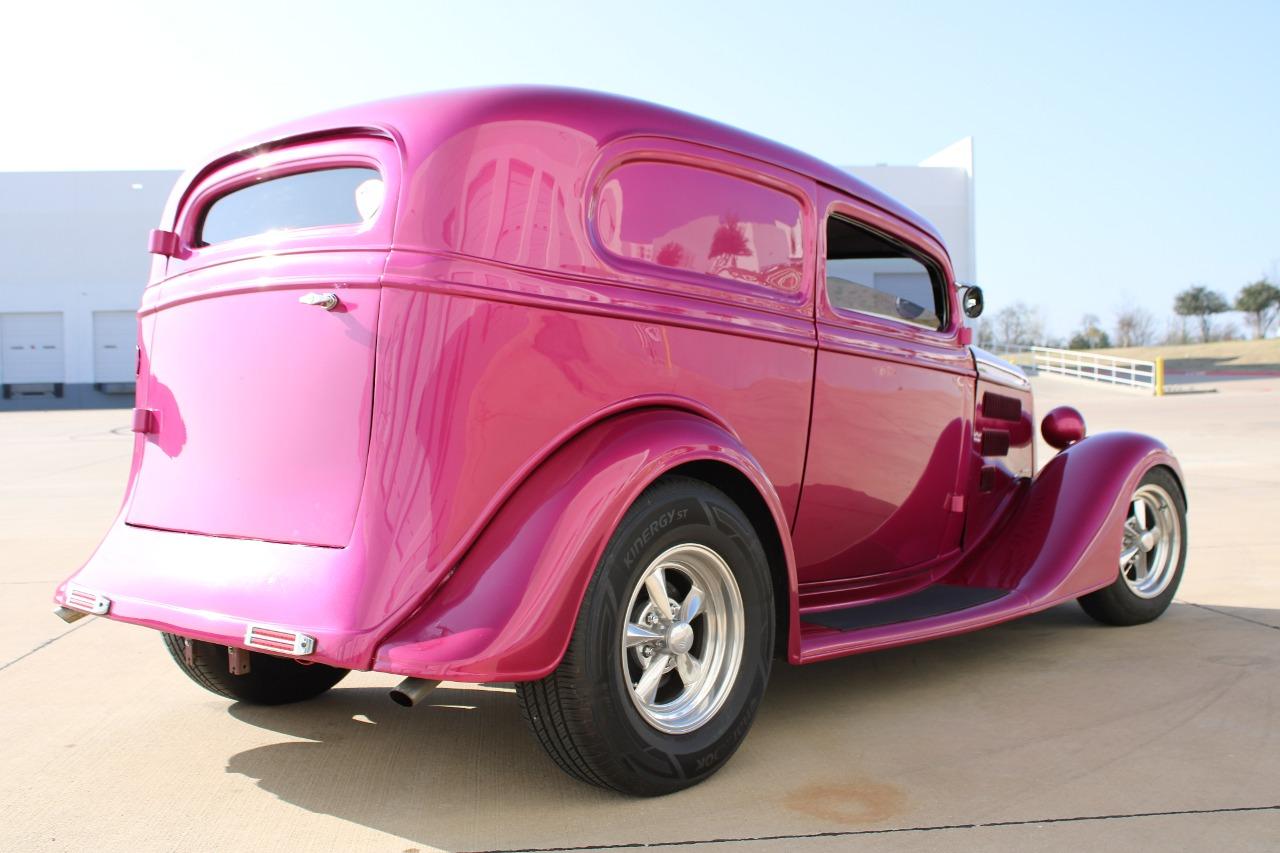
x=323, y=197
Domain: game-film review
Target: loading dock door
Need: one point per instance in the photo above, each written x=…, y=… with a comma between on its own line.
x=114, y=342
x=32, y=349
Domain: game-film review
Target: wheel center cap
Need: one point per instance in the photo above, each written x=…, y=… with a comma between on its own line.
x=1148, y=539
x=679, y=638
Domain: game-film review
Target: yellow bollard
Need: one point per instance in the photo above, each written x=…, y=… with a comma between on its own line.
x=1159, y=378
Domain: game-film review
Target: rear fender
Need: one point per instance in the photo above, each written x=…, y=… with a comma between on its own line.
x=508, y=610
x=1062, y=538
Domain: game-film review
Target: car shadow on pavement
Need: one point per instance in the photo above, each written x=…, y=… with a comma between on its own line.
x=462, y=771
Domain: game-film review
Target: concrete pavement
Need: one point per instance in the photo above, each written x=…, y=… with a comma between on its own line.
x=1051, y=733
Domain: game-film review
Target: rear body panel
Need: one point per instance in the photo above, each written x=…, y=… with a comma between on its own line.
x=266, y=434
x=262, y=404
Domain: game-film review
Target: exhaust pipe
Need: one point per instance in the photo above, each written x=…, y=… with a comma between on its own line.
x=411, y=691
x=66, y=614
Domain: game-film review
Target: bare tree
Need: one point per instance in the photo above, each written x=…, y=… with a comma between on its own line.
x=1176, y=332
x=984, y=333
x=1135, y=326
x=1019, y=324
x=1227, y=331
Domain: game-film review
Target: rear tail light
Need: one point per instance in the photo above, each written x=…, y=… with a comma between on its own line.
x=79, y=598
x=280, y=641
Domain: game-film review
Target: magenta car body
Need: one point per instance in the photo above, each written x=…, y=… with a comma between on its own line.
x=562, y=298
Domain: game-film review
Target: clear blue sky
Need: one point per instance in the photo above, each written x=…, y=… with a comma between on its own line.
x=1123, y=150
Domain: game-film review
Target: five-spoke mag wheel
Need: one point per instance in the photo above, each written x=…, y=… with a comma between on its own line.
x=671, y=650
x=682, y=640
x=1153, y=551
x=1152, y=542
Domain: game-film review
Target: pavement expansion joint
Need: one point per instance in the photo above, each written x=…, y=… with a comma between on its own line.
x=1234, y=615
x=45, y=644
x=948, y=827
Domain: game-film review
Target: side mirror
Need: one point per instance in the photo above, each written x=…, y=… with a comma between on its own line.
x=971, y=301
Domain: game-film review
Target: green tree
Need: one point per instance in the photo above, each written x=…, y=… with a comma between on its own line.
x=1261, y=302
x=1202, y=303
x=1090, y=335
x=729, y=241
x=672, y=254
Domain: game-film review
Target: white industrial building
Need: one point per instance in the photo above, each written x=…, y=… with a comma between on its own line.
x=73, y=262
x=941, y=190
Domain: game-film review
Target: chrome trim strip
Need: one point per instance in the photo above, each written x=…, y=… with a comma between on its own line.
x=997, y=370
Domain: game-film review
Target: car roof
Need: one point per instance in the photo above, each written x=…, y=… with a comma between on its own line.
x=422, y=121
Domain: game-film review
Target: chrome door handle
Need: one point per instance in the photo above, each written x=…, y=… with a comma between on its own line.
x=327, y=301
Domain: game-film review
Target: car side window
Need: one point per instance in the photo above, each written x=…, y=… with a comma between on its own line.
x=871, y=274
x=703, y=221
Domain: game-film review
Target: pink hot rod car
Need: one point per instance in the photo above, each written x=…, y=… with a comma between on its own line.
x=555, y=388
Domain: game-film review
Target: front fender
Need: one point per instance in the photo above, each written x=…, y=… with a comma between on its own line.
x=1062, y=538
x=508, y=610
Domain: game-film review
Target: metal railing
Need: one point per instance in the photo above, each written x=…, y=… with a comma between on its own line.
x=1008, y=351
x=1019, y=354
x=1115, y=370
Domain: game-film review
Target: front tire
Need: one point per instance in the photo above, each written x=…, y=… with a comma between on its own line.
x=671, y=650
x=270, y=680
x=1153, y=554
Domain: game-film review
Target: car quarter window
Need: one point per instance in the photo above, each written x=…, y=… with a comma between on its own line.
x=871, y=274
x=337, y=196
x=703, y=221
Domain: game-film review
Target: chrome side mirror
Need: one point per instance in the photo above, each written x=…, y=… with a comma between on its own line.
x=971, y=301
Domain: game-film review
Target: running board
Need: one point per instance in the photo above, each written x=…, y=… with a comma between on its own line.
x=931, y=601
x=935, y=611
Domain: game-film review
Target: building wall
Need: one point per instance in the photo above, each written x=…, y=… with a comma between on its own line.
x=72, y=244
x=73, y=263
x=941, y=190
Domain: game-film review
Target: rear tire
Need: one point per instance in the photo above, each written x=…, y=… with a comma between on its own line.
x=270, y=680
x=646, y=702
x=1153, y=555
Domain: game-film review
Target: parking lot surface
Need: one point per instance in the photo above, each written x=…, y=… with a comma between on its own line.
x=1050, y=733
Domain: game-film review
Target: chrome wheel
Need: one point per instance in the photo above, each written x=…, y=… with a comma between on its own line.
x=1152, y=545
x=682, y=638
